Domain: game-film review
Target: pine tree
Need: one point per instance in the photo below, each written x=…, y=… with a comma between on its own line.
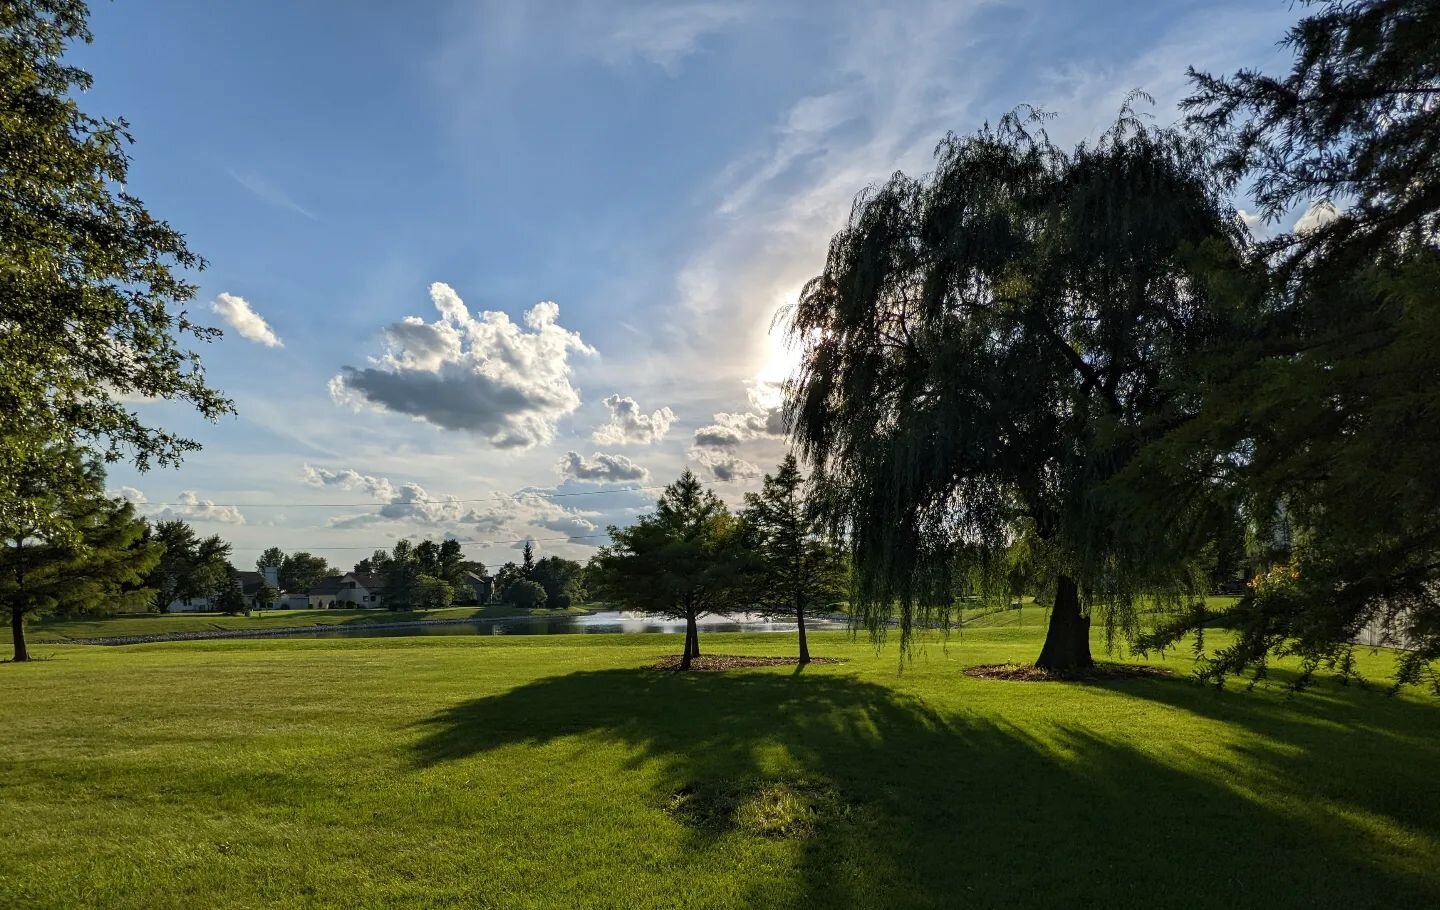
x=1328, y=415
x=96, y=563
x=796, y=569
x=683, y=560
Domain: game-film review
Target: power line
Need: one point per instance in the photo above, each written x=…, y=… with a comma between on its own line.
x=373, y=503
x=463, y=543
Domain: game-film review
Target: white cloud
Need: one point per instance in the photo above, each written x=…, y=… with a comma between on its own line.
x=240, y=316
x=628, y=425
x=1320, y=213
x=729, y=430
x=601, y=468
x=724, y=466
x=190, y=507
x=129, y=494
x=412, y=504
x=485, y=375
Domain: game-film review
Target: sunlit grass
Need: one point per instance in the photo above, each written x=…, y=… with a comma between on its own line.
x=552, y=771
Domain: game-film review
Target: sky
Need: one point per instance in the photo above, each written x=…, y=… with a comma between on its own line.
x=499, y=271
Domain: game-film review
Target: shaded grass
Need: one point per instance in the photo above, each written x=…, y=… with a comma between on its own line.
x=58, y=630
x=544, y=771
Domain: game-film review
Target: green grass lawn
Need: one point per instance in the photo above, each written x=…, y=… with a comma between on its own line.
x=557, y=771
x=59, y=630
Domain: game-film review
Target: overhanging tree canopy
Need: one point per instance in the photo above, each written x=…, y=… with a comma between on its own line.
x=988, y=346
x=1329, y=416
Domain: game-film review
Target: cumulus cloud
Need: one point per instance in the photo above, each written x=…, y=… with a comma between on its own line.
x=129, y=494
x=601, y=468
x=1320, y=213
x=190, y=507
x=628, y=425
x=766, y=420
x=413, y=504
x=724, y=466
x=240, y=316
x=485, y=375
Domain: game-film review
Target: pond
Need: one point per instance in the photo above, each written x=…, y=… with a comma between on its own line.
x=602, y=622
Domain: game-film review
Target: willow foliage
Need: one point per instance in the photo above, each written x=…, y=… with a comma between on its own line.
x=989, y=345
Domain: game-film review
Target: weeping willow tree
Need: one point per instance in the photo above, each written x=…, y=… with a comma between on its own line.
x=987, y=347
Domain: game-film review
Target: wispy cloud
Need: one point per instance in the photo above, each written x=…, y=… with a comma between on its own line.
x=270, y=194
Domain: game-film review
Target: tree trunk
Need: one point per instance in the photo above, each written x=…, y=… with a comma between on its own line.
x=689, y=652
x=17, y=629
x=1067, y=641
x=800, y=624
x=694, y=635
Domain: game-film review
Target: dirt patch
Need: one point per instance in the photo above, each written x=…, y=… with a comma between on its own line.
x=761, y=808
x=1098, y=673
x=713, y=662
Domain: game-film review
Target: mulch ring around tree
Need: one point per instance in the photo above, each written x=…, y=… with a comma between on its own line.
x=706, y=663
x=1102, y=672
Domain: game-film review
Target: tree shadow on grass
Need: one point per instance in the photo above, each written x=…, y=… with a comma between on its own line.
x=958, y=810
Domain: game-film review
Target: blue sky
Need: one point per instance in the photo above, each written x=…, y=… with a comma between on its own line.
x=667, y=174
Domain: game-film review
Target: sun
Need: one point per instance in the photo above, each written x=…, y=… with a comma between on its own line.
x=781, y=356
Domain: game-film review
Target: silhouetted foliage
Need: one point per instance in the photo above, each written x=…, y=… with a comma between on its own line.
x=988, y=346
x=1325, y=421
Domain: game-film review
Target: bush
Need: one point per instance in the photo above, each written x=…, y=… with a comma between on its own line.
x=559, y=602
x=525, y=593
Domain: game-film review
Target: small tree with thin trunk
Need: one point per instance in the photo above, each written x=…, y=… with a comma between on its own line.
x=683, y=560
x=794, y=568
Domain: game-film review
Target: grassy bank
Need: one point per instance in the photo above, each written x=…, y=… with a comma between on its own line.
x=60, y=630
x=559, y=771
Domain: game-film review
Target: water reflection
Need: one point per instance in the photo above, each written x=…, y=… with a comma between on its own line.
x=604, y=622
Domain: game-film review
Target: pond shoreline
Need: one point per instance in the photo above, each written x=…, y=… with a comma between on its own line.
x=325, y=630
x=281, y=631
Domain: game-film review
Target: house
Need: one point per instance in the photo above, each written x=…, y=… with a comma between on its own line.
x=349, y=591
x=475, y=588
x=250, y=583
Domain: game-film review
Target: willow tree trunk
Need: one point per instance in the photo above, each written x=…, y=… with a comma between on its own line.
x=17, y=630
x=1067, y=641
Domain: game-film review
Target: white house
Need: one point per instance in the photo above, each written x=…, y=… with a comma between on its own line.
x=250, y=583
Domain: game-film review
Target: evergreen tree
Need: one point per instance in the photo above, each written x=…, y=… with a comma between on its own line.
x=683, y=560
x=230, y=596
x=988, y=347
x=91, y=295
x=189, y=566
x=527, y=564
x=95, y=562
x=427, y=558
x=401, y=577
x=795, y=569
x=452, y=564
x=1327, y=417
